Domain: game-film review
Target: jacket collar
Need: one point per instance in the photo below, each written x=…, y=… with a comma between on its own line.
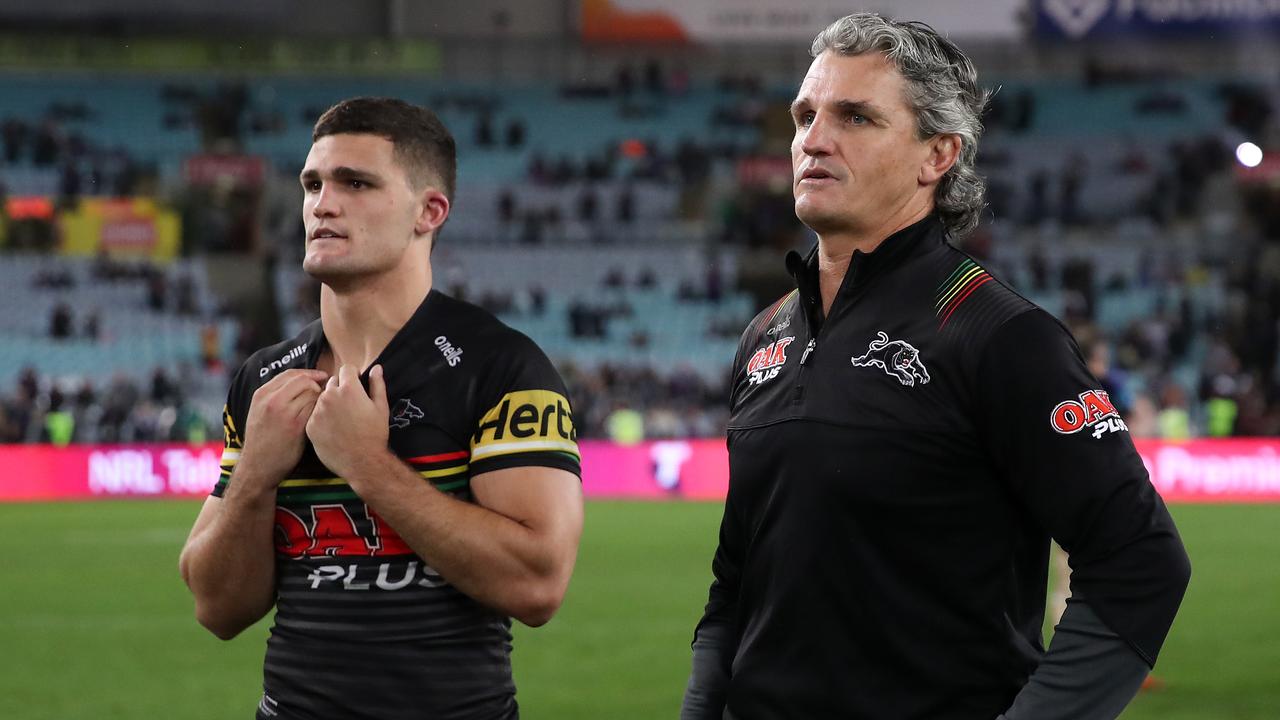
x=864, y=267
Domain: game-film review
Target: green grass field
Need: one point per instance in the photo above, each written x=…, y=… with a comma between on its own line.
x=95, y=623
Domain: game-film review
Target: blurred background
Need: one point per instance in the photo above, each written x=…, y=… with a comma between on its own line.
x=624, y=199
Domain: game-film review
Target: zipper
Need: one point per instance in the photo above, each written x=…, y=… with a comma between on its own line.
x=804, y=357
x=798, y=396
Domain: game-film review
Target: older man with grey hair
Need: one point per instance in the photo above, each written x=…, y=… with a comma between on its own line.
x=907, y=434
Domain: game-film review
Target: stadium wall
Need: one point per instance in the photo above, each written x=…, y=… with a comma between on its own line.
x=1198, y=471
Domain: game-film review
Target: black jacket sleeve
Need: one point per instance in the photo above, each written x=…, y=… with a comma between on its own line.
x=1089, y=672
x=715, y=639
x=1068, y=458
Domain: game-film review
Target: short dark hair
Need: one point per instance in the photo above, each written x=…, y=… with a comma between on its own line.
x=423, y=145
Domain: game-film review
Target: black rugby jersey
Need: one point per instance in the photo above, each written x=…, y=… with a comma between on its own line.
x=896, y=473
x=363, y=627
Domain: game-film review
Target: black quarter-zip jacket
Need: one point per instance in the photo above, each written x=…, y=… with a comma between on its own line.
x=896, y=472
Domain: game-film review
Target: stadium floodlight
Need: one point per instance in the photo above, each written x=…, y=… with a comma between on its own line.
x=1248, y=154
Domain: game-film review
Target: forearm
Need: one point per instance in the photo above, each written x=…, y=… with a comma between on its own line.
x=229, y=564
x=1088, y=672
x=488, y=556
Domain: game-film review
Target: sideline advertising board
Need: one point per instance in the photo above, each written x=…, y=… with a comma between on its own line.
x=1198, y=471
x=786, y=21
x=1206, y=19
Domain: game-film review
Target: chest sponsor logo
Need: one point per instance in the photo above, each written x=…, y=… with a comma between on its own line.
x=326, y=531
x=288, y=357
x=452, y=354
x=386, y=576
x=339, y=531
x=767, y=362
x=1092, y=409
x=898, y=358
x=404, y=413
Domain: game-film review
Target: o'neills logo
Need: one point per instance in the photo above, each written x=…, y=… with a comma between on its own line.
x=289, y=357
x=452, y=355
x=1092, y=409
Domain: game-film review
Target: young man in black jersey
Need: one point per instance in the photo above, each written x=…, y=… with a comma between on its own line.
x=906, y=434
x=401, y=478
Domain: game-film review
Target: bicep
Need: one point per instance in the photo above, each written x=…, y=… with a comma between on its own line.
x=546, y=500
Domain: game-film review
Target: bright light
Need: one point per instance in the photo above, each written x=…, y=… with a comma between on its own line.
x=1249, y=155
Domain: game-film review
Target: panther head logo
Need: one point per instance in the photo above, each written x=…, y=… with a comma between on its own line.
x=897, y=358
x=404, y=413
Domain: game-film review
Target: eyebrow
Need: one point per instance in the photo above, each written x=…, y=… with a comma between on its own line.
x=341, y=172
x=845, y=107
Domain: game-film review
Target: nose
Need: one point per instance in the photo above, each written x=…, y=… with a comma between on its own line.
x=324, y=203
x=816, y=140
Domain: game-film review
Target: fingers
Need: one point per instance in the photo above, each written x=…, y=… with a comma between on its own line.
x=292, y=383
x=305, y=404
x=295, y=375
x=348, y=374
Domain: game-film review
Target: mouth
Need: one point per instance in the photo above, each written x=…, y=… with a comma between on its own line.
x=326, y=234
x=816, y=175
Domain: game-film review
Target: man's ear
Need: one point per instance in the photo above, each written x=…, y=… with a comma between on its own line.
x=944, y=150
x=435, y=210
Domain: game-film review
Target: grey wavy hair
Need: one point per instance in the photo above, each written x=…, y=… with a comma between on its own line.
x=942, y=89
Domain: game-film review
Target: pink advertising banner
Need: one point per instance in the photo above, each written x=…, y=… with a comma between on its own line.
x=1226, y=471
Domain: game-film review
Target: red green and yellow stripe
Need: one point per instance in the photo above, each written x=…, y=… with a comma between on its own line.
x=774, y=311
x=778, y=308
x=953, y=291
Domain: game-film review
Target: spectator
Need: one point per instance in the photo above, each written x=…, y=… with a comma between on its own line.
x=484, y=130
x=93, y=326
x=515, y=133
x=506, y=206
x=625, y=205
x=60, y=322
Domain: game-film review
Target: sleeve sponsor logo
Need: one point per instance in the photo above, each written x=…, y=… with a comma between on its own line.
x=766, y=362
x=897, y=358
x=526, y=421
x=1092, y=409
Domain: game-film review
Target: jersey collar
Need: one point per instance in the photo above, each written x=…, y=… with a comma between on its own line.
x=411, y=341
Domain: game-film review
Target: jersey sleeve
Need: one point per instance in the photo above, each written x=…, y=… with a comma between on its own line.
x=525, y=418
x=234, y=413
x=1066, y=456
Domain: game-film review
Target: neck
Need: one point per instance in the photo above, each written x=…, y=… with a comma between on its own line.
x=836, y=249
x=360, y=318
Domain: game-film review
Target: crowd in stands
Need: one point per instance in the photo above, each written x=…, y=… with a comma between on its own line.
x=1185, y=369
x=669, y=404
x=118, y=410
x=85, y=167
